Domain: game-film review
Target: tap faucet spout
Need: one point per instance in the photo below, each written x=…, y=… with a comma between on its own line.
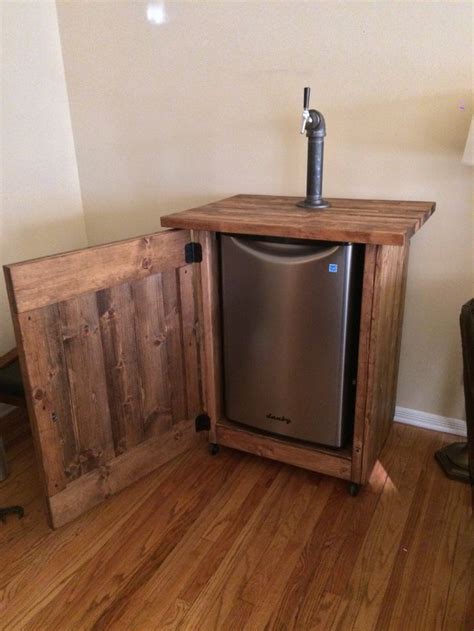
x=314, y=125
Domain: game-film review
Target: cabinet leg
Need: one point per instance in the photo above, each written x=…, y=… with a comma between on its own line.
x=213, y=449
x=354, y=488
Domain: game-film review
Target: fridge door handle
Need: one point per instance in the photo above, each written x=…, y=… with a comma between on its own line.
x=284, y=253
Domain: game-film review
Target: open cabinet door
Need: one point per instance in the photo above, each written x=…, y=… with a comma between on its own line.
x=111, y=357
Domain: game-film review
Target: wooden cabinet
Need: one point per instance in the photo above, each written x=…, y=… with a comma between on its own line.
x=120, y=345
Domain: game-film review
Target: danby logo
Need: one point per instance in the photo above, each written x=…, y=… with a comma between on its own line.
x=283, y=419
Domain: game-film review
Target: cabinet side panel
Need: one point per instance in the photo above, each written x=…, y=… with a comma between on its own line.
x=211, y=360
x=384, y=351
x=363, y=360
x=189, y=322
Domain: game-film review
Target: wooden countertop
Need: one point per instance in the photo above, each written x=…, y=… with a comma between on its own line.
x=357, y=220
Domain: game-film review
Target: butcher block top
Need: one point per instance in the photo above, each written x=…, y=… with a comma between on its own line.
x=355, y=220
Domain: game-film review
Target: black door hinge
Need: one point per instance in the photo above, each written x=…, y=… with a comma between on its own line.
x=203, y=423
x=193, y=252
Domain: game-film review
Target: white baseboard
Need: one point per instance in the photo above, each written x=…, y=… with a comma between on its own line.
x=4, y=409
x=430, y=421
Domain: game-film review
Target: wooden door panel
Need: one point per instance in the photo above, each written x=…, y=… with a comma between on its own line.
x=112, y=371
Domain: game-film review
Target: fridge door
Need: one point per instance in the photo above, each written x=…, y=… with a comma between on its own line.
x=288, y=353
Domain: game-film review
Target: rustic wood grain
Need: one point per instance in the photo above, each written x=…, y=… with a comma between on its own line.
x=190, y=324
x=152, y=352
x=112, y=377
x=367, y=299
x=243, y=542
x=359, y=221
x=116, y=315
x=175, y=344
x=99, y=484
x=84, y=358
x=337, y=462
x=384, y=351
x=59, y=277
x=207, y=279
x=48, y=396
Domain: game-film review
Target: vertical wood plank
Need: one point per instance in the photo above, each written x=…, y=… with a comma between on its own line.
x=208, y=280
x=116, y=315
x=152, y=354
x=363, y=356
x=174, y=343
x=44, y=375
x=86, y=373
x=190, y=342
x=384, y=350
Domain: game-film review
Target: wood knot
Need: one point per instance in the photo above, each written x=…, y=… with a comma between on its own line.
x=146, y=263
x=86, y=329
x=38, y=394
x=110, y=313
x=178, y=435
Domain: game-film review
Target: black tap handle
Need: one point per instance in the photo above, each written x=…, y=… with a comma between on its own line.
x=306, y=98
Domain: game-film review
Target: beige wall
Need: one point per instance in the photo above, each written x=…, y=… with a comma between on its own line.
x=208, y=105
x=41, y=211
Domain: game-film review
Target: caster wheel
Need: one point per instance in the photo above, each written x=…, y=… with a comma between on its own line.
x=214, y=449
x=354, y=489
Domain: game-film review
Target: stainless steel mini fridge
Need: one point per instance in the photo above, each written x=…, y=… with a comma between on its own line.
x=290, y=330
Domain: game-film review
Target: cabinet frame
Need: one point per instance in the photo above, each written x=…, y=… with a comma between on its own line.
x=383, y=294
x=100, y=415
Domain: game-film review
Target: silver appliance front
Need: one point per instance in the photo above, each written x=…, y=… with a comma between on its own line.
x=289, y=328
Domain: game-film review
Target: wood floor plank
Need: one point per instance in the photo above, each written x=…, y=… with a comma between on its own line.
x=459, y=609
x=143, y=543
x=275, y=588
x=47, y=565
x=196, y=558
x=241, y=542
x=374, y=565
x=156, y=600
x=417, y=593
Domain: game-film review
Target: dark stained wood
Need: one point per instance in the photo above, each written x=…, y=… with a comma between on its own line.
x=190, y=324
x=336, y=462
x=99, y=484
x=84, y=358
x=59, y=277
x=136, y=346
x=48, y=397
x=152, y=354
x=112, y=377
x=207, y=279
x=363, y=360
x=384, y=351
x=174, y=343
x=381, y=222
x=117, y=314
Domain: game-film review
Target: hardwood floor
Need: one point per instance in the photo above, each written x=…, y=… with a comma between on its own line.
x=238, y=542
